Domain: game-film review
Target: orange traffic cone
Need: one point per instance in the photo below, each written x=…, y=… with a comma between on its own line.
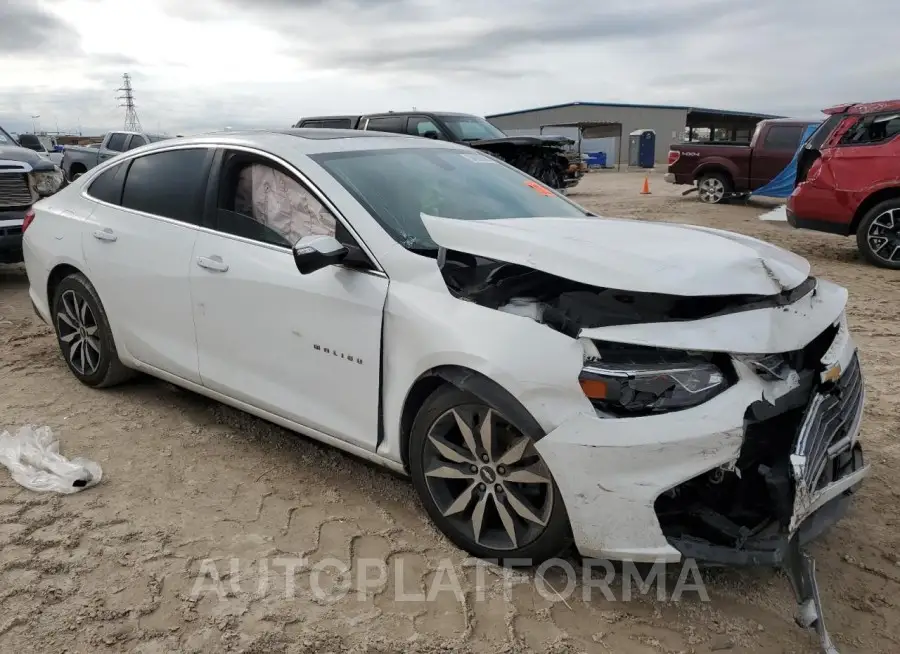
x=646, y=189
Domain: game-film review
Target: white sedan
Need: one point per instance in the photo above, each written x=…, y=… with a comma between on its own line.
x=545, y=376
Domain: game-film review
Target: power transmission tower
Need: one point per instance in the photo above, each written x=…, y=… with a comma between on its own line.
x=132, y=122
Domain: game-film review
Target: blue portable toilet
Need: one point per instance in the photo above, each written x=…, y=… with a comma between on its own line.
x=642, y=148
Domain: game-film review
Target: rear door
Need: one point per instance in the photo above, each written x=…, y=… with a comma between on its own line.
x=773, y=152
x=138, y=245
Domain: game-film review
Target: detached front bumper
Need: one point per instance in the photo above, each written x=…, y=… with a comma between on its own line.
x=728, y=482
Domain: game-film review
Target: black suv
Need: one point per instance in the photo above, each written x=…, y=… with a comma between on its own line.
x=543, y=157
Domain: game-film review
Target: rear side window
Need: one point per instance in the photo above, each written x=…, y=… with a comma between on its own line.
x=116, y=142
x=136, y=142
x=108, y=185
x=168, y=184
x=328, y=123
x=394, y=124
x=783, y=137
x=876, y=128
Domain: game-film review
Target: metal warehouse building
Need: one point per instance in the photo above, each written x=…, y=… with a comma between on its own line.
x=605, y=127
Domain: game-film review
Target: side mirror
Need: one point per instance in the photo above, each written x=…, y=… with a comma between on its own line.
x=431, y=134
x=311, y=253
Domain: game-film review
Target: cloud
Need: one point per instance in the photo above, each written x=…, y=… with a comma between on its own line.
x=203, y=64
x=25, y=27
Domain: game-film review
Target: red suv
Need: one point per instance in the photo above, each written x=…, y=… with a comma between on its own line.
x=848, y=179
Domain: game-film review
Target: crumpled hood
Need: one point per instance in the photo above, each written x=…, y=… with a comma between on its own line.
x=629, y=255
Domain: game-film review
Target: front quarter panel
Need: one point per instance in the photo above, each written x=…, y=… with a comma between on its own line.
x=426, y=328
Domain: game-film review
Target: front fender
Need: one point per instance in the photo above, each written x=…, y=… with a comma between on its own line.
x=716, y=164
x=426, y=330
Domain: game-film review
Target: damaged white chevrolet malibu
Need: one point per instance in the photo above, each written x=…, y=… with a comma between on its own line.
x=545, y=376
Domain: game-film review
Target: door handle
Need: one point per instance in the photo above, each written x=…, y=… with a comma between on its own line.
x=213, y=263
x=105, y=234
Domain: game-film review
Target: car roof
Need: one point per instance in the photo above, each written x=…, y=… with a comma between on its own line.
x=331, y=117
x=305, y=142
x=791, y=121
x=863, y=107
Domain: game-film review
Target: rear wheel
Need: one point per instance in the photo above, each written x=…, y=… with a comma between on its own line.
x=878, y=235
x=83, y=333
x=482, y=481
x=714, y=188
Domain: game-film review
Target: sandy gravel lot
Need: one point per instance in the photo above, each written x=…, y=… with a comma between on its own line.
x=185, y=479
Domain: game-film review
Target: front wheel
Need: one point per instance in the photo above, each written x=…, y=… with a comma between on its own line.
x=878, y=235
x=483, y=483
x=714, y=188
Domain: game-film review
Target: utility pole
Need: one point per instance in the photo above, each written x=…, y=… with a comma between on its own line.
x=132, y=122
x=34, y=123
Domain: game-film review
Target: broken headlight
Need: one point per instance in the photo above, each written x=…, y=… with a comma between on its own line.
x=634, y=385
x=770, y=367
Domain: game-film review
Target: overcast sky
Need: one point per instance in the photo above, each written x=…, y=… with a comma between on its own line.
x=207, y=64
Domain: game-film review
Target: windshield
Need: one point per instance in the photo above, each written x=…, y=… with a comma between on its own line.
x=397, y=186
x=471, y=128
x=5, y=138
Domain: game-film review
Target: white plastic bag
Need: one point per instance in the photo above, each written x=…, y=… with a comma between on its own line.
x=33, y=458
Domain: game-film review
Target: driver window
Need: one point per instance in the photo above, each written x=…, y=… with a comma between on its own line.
x=258, y=200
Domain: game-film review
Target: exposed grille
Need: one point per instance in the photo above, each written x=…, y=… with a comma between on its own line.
x=829, y=424
x=14, y=190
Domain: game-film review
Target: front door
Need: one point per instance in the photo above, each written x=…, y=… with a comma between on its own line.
x=304, y=347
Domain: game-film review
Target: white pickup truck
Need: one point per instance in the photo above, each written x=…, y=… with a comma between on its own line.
x=77, y=160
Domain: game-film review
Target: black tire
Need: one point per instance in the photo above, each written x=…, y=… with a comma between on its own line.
x=544, y=542
x=718, y=181
x=96, y=362
x=75, y=171
x=882, y=213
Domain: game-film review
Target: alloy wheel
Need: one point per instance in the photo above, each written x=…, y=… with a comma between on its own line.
x=883, y=236
x=78, y=329
x=486, y=478
x=711, y=190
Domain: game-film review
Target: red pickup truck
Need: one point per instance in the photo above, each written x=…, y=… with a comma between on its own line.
x=721, y=171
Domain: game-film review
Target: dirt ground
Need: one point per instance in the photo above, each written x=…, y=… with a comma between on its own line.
x=113, y=569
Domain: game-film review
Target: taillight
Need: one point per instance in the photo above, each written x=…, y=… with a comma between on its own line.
x=29, y=216
x=674, y=155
